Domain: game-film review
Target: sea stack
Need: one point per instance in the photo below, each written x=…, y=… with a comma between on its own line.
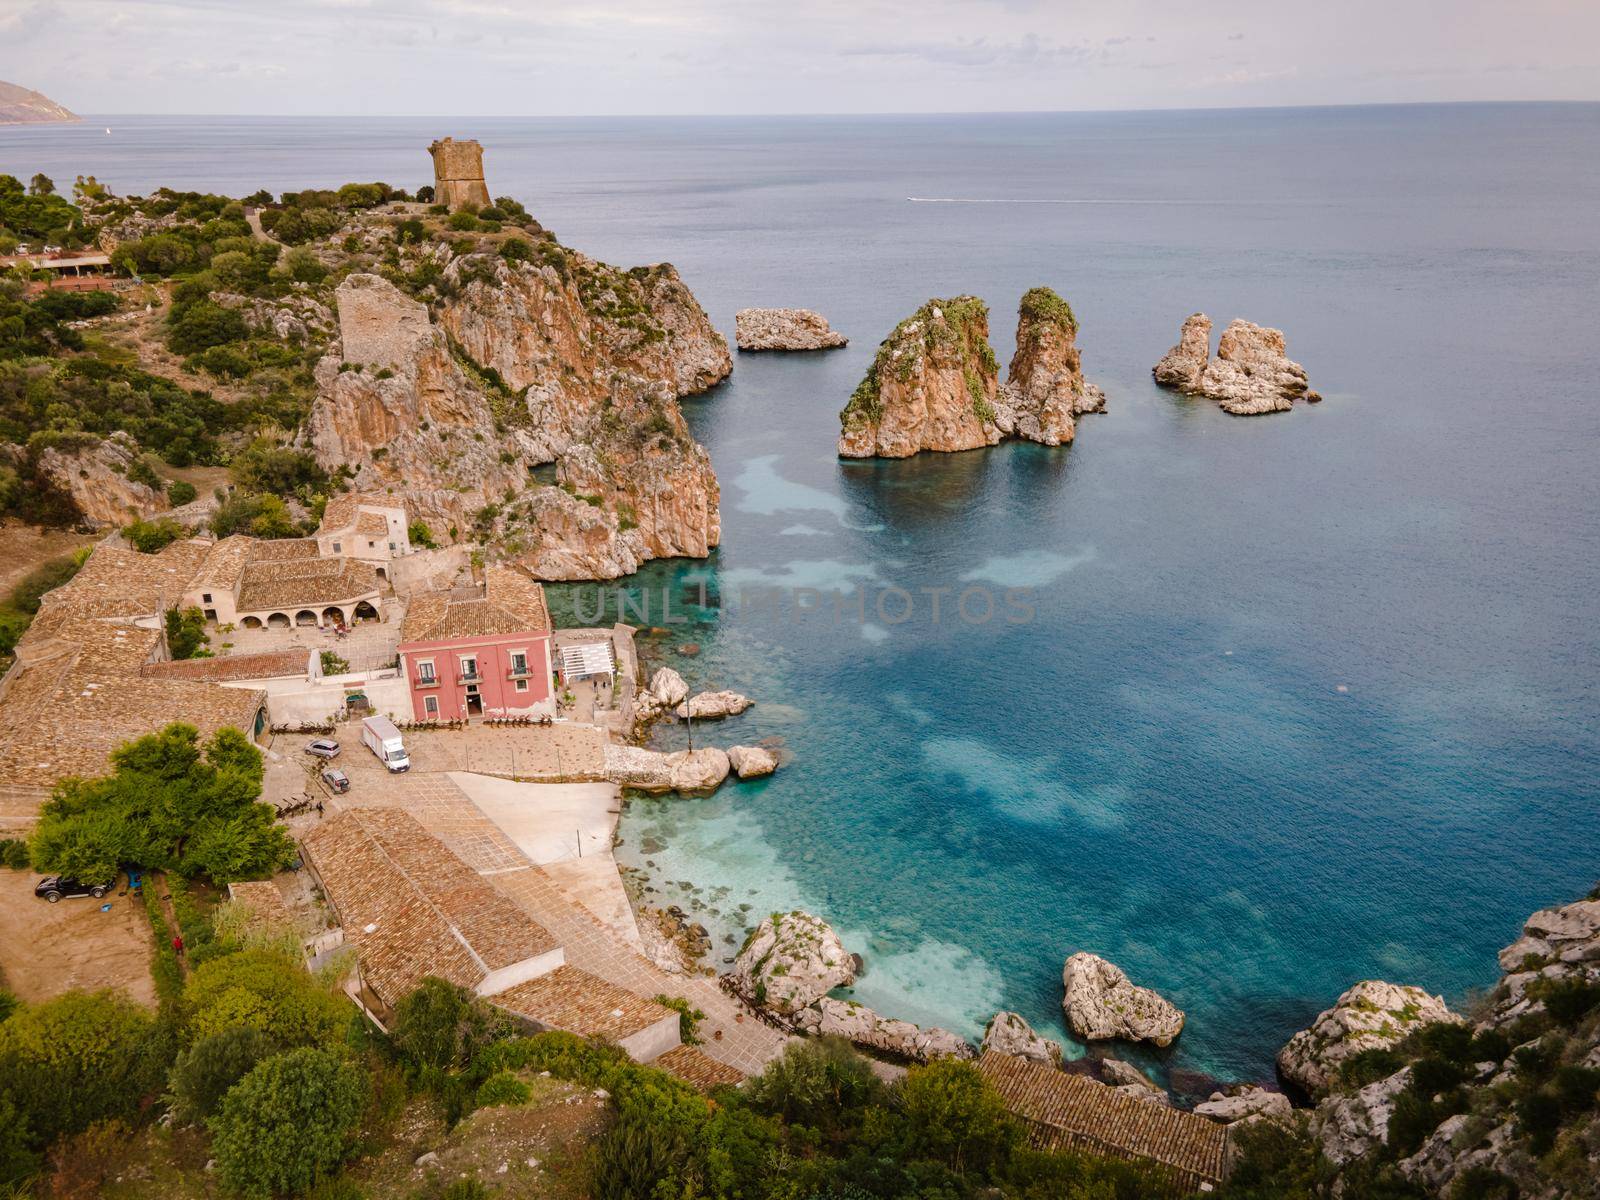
x=1251, y=374
x=458, y=174
x=785, y=329
x=934, y=384
x=1045, y=390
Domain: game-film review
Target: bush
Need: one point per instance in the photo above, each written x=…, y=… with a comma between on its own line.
x=822, y=1083
x=13, y=855
x=18, y=1159
x=148, y=537
x=186, y=632
x=443, y=1027
x=421, y=535
x=288, y=1123
x=205, y=1072
x=259, y=516
x=81, y=1164
x=637, y=1154
x=266, y=991
x=503, y=1088
x=269, y=469
x=194, y=327
x=689, y=1018
x=948, y=1113
x=79, y=1058
x=180, y=493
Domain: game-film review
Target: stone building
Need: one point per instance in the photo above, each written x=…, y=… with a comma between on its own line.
x=458, y=174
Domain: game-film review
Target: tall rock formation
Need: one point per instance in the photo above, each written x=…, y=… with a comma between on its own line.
x=1251, y=374
x=1045, y=390
x=784, y=329
x=934, y=384
x=1101, y=1003
x=1373, y=1015
x=527, y=361
x=99, y=477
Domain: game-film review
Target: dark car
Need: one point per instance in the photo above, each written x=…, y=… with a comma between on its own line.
x=323, y=748
x=59, y=887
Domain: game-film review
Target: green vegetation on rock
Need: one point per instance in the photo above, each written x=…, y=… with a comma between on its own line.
x=1043, y=304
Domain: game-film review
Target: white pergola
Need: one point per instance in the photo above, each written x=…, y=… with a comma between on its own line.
x=587, y=660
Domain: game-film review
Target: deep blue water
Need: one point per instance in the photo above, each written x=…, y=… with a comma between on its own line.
x=1306, y=698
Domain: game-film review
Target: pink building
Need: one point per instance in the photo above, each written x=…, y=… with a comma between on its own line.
x=480, y=653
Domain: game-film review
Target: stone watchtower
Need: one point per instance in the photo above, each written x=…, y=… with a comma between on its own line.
x=458, y=174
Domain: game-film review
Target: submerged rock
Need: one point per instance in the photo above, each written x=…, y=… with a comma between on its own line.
x=1101, y=1004
x=1045, y=390
x=864, y=1027
x=1372, y=1015
x=784, y=329
x=751, y=762
x=1250, y=375
x=791, y=961
x=1008, y=1033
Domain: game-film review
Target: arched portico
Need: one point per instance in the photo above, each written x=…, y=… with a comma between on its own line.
x=279, y=621
x=306, y=617
x=333, y=614
x=251, y=622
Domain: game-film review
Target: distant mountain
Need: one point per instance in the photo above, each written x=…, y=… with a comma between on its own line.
x=19, y=106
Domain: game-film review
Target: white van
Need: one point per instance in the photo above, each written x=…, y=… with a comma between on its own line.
x=380, y=736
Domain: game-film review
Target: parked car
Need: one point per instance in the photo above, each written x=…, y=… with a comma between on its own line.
x=337, y=780
x=59, y=887
x=323, y=748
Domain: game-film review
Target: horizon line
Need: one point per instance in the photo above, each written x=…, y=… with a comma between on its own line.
x=976, y=112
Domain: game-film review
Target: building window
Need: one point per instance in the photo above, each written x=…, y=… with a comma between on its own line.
x=522, y=685
x=425, y=672
x=372, y=545
x=337, y=548
x=469, y=668
x=205, y=597
x=519, y=663
x=430, y=705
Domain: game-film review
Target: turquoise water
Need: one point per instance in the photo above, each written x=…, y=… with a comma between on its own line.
x=1304, y=699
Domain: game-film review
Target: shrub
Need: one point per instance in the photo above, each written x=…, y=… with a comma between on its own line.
x=332, y=664
x=516, y=250
x=463, y=222
x=194, y=327
x=421, y=535
x=288, y=1123
x=1539, y=1118
x=1369, y=1066
x=1569, y=1000
x=259, y=516
x=949, y=1114
x=18, y=1160
x=81, y=1164
x=636, y=1155
x=689, y=1018
x=443, y=1027
x=180, y=493
x=205, y=1072
x=503, y=1088
x=265, y=468
x=79, y=1058
x=820, y=1083
x=14, y=855
x=186, y=632
x=265, y=991
x=148, y=537
x=1482, y=1183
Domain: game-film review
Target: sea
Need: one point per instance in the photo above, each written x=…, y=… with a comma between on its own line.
x=1257, y=707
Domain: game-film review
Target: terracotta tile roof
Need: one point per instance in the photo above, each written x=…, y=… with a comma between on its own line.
x=344, y=512
x=77, y=692
x=511, y=603
x=693, y=1066
x=268, y=912
x=372, y=524
x=430, y=914
x=1073, y=1111
x=581, y=1003
x=224, y=563
x=304, y=583
x=269, y=664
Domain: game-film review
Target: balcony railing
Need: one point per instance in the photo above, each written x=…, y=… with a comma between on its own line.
x=469, y=677
x=427, y=681
x=522, y=672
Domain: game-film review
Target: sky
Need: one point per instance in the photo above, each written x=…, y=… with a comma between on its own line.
x=606, y=57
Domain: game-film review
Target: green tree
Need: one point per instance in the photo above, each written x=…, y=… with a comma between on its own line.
x=259, y=516
x=180, y=492
x=267, y=991
x=441, y=1026
x=265, y=468
x=289, y=1123
x=79, y=1058
x=821, y=1083
x=186, y=631
x=421, y=535
x=202, y=324
x=203, y=1074
x=166, y=805
x=148, y=537
x=948, y=1113
x=18, y=1159
x=41, y=185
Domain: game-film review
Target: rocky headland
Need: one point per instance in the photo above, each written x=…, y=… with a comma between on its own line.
x=23, y=106
x=784, y=329
x=1251, y=374
x=512, y=361
x=934, y=383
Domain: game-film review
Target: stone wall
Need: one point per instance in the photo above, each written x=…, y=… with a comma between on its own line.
x=458, y=174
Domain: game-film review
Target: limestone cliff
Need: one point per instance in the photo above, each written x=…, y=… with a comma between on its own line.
x=932, y=386
x=1252, y=373
x=934, y=383
x=528, y=360
x=96, y=477
x=1045, y=390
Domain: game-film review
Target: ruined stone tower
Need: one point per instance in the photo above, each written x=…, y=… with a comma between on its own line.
x=458, y=174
